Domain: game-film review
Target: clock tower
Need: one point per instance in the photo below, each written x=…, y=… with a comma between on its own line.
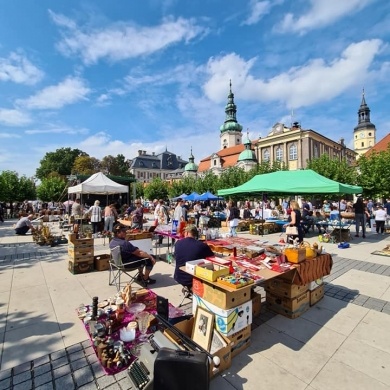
x=231, y=130
x=364, y=134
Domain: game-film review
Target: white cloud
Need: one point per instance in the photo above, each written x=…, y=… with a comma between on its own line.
x=257, y=10
x=9, y=135
x=19, y=69
x=314, y=82
x=321, y=13
x=13, y=117
x=57, y=129
x=69, y=91
x=122, y=41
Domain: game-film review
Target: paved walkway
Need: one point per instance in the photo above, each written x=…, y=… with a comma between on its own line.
x=341, y=343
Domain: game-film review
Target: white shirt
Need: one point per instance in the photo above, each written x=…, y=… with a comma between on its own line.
x=380, y=215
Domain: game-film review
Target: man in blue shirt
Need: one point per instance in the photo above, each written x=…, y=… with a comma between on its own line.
x=187, y=249
x=132, y=256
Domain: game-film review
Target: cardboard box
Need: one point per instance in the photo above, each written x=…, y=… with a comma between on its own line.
x=73, y=242
x=316, y=283
x=288, y=307
x=80, y=267
x=227, y=321
x=295, y=255
x=256, y=304
x=102, y=262
x=317, y=294
x=82, y=251
x=220, y=297
x=211, y=271
x=240, y=340
x=224, y=353
x=283, y=288
x=190, y=265
x=81, y=257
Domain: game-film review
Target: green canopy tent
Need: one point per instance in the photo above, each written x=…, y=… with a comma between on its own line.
x=291, y=182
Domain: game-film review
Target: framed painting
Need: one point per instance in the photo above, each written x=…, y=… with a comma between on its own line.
x=203, y=329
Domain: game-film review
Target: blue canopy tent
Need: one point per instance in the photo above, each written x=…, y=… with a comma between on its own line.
x=182, y=196
x=209, y=196
x=192, y=197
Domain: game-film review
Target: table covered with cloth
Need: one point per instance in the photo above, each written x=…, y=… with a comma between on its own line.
x=311, y=269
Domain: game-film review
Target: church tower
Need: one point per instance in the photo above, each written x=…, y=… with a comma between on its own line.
x=231, y=130
x=364, y=134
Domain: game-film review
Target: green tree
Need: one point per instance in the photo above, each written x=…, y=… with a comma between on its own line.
x=156, y=189
x=15, y=188
x=117, y=166
x=61, y=162
x=334, y=169
x=374, y=174
x=51, y=188
x=86, y=165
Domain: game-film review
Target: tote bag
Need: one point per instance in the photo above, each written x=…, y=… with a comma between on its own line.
x=292, y=230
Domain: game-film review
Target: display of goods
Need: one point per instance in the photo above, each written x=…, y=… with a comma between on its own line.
x=235, y=281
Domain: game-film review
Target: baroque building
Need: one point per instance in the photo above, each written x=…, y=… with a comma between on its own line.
x=364, y=134
x=145, y=167
x=231, y=144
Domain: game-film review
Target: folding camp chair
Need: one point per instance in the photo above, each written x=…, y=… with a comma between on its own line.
x=117, y=268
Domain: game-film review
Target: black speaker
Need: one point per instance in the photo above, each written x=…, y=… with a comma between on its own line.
x=162, y=307
x=179, y=370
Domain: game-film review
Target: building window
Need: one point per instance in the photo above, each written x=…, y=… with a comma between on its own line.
x=293, y=152
x=279, y=154
x=315, y=152
x=355, y=136
x=266, y=155
x=215, y=162
x=362, y=144
x=370, y=143
x=369, y=134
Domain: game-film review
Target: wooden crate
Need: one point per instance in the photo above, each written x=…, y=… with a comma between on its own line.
x=82, y=251
x=101, y=262
x=81, y=257
x=73, y=242
x=80, y=267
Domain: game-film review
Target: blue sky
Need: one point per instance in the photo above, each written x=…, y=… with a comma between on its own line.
x=112, y=77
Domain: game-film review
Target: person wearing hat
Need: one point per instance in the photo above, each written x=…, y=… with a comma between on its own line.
x=187, y=249
x=24, y=225
x=133, y=256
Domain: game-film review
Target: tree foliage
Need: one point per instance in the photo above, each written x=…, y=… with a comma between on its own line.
x=61, y=162
x=86, y=165
x=374, y=174
x=117, y=166
x=157, y=189
x=51, y=188
x=15, y=188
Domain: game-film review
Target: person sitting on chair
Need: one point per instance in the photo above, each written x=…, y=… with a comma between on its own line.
x=187, y=249
x=24, y=224
x=132, y=256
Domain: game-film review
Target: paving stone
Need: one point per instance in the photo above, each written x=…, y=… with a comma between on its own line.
x=65, y=382
x=5, y=383
x=76, y=356
x=5, y=374
x=42, y=379
x=41, y=360
x=125, y=384
x=88, y=386
x=89, y=351
x=121, y=375
x=382, y=269
x=74, y=348
x=61, y=371
x=77, y=364
x=114, y=386
x=22, y=377
x=92, y=358
x=46, y=386
x=59, y=362
x=58, y=354
x=22, y=368
x=105, y=381
x=42, y=369
x=23, y=386
x=376, y=301
x=83, y=376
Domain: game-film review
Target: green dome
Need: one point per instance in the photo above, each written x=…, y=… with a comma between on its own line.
x=230, y=126
x=246, y=155
x=191, y=167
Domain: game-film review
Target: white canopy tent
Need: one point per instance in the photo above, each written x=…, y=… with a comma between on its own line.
x=98, y=183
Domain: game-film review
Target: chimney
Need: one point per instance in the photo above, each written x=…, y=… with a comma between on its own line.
x=144, y=152
x=139, y=152
x=152, y=153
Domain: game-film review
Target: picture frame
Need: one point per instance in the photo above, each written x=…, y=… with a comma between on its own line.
x=203, y=329
x=217, y=342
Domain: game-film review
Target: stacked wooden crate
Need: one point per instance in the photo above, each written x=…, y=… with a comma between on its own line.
x=80, y=254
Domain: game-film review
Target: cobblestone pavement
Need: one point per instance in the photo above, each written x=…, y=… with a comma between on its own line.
x=77, y=367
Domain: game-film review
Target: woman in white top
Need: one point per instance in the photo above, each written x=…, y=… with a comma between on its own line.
x=380, y=219
x=96, y=216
